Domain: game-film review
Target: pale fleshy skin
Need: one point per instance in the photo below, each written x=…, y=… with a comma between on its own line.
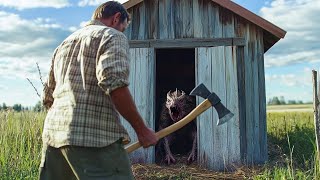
x=177, y=106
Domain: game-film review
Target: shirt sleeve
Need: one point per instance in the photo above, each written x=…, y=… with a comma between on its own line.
x=112, y=69
x=49, y=86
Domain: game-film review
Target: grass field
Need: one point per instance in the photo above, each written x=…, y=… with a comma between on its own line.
x=20, y=144
x=290, y=142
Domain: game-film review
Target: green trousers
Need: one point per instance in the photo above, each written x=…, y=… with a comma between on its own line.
x=73, y=162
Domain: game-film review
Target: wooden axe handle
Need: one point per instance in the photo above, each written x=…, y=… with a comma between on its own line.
x=176, y=126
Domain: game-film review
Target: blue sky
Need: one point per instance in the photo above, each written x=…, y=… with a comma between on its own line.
x=31, y=29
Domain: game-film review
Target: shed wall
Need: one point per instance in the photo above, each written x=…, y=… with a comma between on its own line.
x=173, y=19
x=218, y=145
x=142, y=86
x=252, y=97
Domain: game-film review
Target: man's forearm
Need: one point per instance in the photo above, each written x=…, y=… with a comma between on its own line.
x=125, y=105
x=47, y=99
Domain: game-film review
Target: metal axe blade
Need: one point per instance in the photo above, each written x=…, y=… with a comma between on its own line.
x=223, y=113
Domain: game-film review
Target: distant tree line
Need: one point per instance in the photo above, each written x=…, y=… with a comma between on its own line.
x=281, y=101
x=18, y=107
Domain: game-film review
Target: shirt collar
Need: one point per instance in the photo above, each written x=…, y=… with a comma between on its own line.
x=95, y=22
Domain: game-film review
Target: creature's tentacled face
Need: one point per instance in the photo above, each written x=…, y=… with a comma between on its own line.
x=177, y=104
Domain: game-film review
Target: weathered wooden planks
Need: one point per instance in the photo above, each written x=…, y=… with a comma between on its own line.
x=253, y=134
x=174, y=19
x=241, y=102
x=166, y=19
x=249, y=98
x=205, y=122
x=142, y=89
x=262, y=99
x=125, y=123
x=196, y=24
x=233, y=129
x=151, y=18
x=219, y=87
x=216, y=68
x=255, y=93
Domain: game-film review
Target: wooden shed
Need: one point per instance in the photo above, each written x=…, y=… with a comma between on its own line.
x=182, y=43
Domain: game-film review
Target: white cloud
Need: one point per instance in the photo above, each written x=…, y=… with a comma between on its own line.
x=291, y=80
x=3, y=87
x=25, y=42
x=72, y=28
x=267, y=3
x=83, y=23
x=292, y=86
x=27, y=4
x=301, y=21
x=291, y=57
x=24, y=67
x=95, y=2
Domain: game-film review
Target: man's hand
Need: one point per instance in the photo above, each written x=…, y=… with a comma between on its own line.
x=147, y=137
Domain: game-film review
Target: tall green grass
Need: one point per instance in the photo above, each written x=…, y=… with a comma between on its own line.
x=292, y=149
x=293, y=132
x=290, y=141
x=20, y=144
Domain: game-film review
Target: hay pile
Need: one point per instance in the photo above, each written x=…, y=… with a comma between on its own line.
x=182, y=171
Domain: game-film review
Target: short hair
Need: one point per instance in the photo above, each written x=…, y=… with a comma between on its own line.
x=109, y=9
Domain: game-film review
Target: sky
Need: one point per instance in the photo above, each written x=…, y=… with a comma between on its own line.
x=31, y=29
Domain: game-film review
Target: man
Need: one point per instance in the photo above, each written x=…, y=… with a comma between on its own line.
x=86, y=88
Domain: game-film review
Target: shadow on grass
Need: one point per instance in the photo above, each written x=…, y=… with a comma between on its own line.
x=299, y=142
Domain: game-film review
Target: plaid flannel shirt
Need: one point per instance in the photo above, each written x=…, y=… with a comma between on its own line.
x=85, y=68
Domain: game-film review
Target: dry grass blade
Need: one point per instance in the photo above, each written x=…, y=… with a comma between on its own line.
x=40, y=76
x=34, y=87
x=180, y=171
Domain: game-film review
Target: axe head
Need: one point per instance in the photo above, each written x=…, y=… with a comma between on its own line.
x=223, y=113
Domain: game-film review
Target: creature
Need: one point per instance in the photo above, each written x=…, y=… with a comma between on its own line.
x=176, y=107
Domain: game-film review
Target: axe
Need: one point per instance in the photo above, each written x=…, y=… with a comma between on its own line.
x=211, y=99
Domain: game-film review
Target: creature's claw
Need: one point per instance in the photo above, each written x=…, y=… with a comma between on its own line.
x=191, y=157
x=169, y=159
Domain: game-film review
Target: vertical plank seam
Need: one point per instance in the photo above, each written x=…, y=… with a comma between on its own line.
x=212, y=112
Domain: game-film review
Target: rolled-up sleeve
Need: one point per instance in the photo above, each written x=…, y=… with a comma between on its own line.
x=49, y=86
x=112, y=69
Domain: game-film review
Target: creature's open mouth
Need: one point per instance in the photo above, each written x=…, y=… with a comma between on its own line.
x=174, y=113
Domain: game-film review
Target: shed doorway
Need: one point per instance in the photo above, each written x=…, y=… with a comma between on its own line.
x=175, y=69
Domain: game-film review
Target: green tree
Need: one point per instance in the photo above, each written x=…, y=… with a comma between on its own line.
x=292, y=102
x=17, y=107
x=275, y=101
x=38, y=107
x=282, y=101
x=4, y=106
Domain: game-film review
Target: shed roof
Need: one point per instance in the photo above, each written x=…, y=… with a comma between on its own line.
x=243, y=12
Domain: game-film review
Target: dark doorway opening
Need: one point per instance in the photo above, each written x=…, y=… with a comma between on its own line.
x=175, y=69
